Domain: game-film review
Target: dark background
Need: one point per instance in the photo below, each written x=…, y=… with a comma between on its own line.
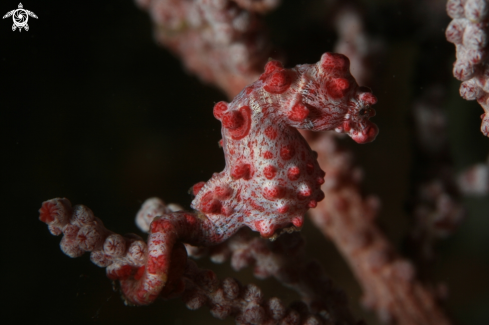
x=93, y=110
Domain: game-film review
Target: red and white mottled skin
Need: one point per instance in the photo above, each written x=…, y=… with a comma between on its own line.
x=271, y=178
x=469, y=31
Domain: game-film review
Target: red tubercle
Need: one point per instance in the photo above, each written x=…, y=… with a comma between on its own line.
x=287, y=152
x=241, y=170
x=278, y=82
x=197, y=187
x=261, y=227
x=367, y=135
x=232, y=120
x=304, y=192
x=270, y=172
x=219, y=109
x=312, y=204
x=271, y=133
x=208, y=204
x=283, y=209
x=372, y=132
x=337, y=87
x=368, y=98
x=273, y=192
x=238, y=123
x=342, y=83
x=335, y=61
x=211, y=206
x=267, y=155
x=298, y=221
x=293, y=173
x=298, y=113
x=272, y=66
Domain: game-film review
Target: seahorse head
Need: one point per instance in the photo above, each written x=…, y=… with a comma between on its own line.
x=322, y=96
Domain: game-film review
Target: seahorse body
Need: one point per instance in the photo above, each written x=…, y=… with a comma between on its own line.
x=271, y=179
x=272, y=176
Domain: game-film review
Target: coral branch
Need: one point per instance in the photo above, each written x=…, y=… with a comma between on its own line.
x=246, y=303
x=285, y=260
x=345, y=216
x=435, y=203
x=355, y=43
x=469, y=31
x=389, y=283
x=220, y=42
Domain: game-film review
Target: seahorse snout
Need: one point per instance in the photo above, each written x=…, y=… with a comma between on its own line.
x=367, y=134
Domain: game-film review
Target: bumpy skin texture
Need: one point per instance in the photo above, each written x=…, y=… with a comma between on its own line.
x=469, y=31
x=272, y=177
